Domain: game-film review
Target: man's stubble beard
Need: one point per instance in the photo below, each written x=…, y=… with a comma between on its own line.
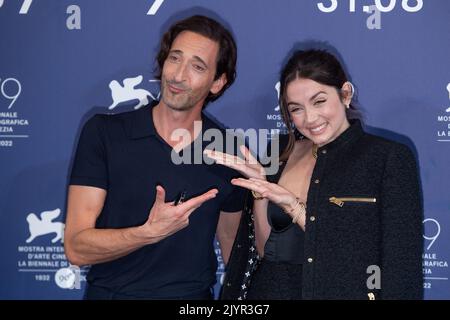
x=183, y=106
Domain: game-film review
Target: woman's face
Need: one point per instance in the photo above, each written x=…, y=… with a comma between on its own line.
x=316, y=110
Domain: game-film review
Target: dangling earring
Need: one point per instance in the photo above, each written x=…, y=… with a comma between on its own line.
x=347, y=106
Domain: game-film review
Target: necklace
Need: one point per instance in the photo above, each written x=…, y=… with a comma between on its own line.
x=314, y=150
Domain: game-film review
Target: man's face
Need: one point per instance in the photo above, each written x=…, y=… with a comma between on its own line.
x=188, y=72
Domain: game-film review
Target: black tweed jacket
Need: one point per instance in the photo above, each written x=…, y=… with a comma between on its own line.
x=364, y=220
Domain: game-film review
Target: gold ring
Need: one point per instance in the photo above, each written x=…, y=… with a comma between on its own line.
x=257, y=196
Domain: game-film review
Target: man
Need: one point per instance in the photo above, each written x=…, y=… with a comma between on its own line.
x=121, y=217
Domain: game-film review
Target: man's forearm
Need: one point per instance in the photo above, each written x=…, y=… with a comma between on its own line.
x=94, y=246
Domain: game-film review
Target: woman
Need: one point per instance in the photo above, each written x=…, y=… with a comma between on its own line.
x=342, y=218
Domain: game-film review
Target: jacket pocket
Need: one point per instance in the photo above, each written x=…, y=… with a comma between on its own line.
x=340, y=201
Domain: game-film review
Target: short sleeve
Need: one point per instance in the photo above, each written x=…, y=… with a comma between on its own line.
x=90, y=162
x=235, y=200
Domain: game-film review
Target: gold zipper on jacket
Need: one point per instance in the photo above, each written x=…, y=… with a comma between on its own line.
x=340, y=201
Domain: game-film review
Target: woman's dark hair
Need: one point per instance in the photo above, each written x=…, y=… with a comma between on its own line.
x=213, y=30
x=317, y=65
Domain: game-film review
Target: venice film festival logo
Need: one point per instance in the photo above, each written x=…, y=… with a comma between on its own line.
x=443, y=133
x=274, y=116
x=448, y=89
x=128, y=92
x=45, y=225
x=40, y=258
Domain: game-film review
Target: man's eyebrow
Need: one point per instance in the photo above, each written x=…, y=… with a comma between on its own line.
x=176, y=51
x=197, y=58
x=201, y=60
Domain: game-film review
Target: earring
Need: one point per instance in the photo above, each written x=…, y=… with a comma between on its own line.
x=353, y=88
x=347, y=106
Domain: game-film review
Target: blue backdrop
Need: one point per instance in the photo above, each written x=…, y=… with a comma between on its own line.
x=62, y=60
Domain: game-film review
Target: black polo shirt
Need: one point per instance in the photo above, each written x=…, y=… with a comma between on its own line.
x=124, y=155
